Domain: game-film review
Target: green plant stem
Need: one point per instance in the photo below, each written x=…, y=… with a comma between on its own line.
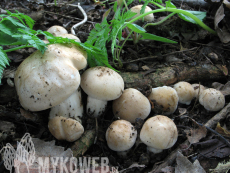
x=160, y=22
x=197, y=20
x=126, y=5
x=124, y=44
x=160, y=6
x=16, y=48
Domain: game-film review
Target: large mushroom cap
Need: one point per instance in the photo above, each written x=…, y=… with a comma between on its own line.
x=137, y=9
x=121, y=135
x=159, y=132
x=102, y=83
x=63, y=128
x=44, y=81
x=212, y=99
x=165, y=100
x=130, y=105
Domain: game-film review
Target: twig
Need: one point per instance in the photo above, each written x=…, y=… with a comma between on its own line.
x=210, y=124
x=83, y=12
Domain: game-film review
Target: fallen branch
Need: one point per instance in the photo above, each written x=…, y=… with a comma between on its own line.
x=171, y=75
x=211, y=124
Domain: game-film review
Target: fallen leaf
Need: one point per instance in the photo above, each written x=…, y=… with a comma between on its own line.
x=185, y=166
x=145, y=67
x=222, y=130
x=194, y=135
x=221, y=168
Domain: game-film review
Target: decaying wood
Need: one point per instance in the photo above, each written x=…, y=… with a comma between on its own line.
x=211, y=124
x=82, y=145
x=170, y=75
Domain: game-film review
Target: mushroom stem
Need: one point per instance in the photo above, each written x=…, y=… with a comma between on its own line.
x=95, y=107
x=154, y=150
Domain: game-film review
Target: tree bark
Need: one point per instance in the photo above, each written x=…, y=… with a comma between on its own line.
x=170, y=75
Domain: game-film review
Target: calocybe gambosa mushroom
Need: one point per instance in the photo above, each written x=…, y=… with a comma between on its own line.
x=165, y=100
x=101, y=84
x=137, y=9
x=130, y=105
x=44, y=81
x=212, y=99
x=185, y=92
x=159, y=133
x=121, y=136
x=63, y=128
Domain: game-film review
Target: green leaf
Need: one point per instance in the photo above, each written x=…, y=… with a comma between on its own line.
x=199, y=14
x=169, y=4
x=4, y=61
x=144, y=6
x=148, y=36
x=136, y=28
x=115, y=7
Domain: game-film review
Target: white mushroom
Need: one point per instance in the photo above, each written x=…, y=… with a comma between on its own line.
x=63, y=128
x=130, y=105
x=165, y=100
x=137, y=9
x=44, y=81
x=121, y=136
x=185, y=91
x=57, y=30
x=198, y=89
x=70, y=36
x=212, y=99
x=159, y=133
x=101, y=84
x=72, y=107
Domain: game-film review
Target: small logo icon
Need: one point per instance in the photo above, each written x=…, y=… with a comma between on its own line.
x=25, y=153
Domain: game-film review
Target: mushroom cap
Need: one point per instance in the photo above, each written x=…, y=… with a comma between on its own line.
x=57, y=30
x=137, y=9
x=44, y=81
x=198, y=89
x=72, y=107
x=130, y=105
x=70, y=36
x=185, y=91
x=212, y=99
x=102, y=83
x=121, y=135
x=165, y=100
x=159, y=132
x=63, y=128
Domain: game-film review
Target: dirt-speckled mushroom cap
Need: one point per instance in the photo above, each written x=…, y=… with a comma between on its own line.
x=63, y=128
x=137, y=9
x=70, y=36
x=44, y=81
x=57, y=30
x=130, y=105
x=198, y=89
x=121, y=135
x=165, y=100
x=185, y=92
x=102, y=83
x=159, y=133
x=212, y=99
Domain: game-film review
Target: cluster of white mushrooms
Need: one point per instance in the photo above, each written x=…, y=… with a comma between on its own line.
x=158, y=132
x=52, y=80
